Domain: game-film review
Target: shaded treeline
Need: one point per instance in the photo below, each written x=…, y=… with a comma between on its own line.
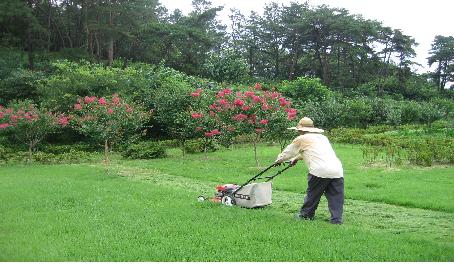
x=286, y=41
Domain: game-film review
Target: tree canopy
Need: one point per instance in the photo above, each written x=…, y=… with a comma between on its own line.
x=344, y=50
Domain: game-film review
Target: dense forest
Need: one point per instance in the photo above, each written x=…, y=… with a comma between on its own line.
x=344, y=50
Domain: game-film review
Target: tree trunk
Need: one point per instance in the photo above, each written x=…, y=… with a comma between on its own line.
x=276, y=63
x=183, y=145
x=110, y=49
x=85, y=29
x=68, y=32
x=49, y=15
x=31, y=64
x=30, y=152
x=251, y=62
x=205, y=148
x=106, y=155
x=294, y=61
x=255, y=150
x=98, y=47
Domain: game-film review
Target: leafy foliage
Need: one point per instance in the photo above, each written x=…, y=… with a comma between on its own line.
x=226, y=66
x=418, y=145
x=144, y=150
x=306, y=89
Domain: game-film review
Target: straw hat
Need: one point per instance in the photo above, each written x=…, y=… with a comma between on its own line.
x=306, y=125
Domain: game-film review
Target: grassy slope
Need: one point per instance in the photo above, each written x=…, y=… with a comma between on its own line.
x=428, y=188
x=78, y=212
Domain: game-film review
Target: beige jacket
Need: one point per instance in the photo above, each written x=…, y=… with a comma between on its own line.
x=315, y=149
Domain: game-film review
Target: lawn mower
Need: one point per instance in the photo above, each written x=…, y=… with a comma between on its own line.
x=249, y=195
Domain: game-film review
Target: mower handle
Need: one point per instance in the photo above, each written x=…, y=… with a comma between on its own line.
x=263, y=171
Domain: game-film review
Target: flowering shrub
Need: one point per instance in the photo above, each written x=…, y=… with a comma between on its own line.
x=29, y=124
x=254, y=111
x=107, y=120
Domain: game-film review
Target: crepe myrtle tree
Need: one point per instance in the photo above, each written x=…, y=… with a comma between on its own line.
x=251, y=111
x=29, y=124
x=108, y=120
x=201, y=122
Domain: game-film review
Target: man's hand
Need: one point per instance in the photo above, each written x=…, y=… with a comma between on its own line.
x=293, y=161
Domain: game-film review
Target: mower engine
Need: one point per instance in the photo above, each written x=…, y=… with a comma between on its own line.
x=222, y=192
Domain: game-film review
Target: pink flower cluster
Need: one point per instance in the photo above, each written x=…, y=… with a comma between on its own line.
x=92, y=102
x=89, y=100
x=264, y=122
x=222, y=93
x=197, y=93
x=116, y=100
x=283, y=102
x=291, y=113
x=28, y=115
x=11, y=117
x=196, y=115
x=238, y=102
x=251, y=108
x=212, y=133
x=102, y=101
x=63, y=120
x=240, y=117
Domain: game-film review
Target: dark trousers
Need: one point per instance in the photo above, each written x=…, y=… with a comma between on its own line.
x=334, y=192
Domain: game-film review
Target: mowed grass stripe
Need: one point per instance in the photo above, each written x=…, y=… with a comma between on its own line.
x=434, y=225
x=61, y=213
x=417, y=187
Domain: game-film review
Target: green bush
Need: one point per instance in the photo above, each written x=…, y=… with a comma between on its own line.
x=145, y=150
x=61, y=149
x=306, y=89
x=419, y=145
x=430, y=113
x=20, y=84
x=198, y=146
x=226, y=67
x=244, y=138
x=357, y=113
x=4, y=151
x=169, y=143
x=326, y=114
x=75, y=156
x=69, y=80
x=70, y=157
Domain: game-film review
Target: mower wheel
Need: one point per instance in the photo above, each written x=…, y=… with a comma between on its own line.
x=228, y=201
x=201, y=199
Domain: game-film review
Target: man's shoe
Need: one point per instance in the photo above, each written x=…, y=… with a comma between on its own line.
x=299, y=216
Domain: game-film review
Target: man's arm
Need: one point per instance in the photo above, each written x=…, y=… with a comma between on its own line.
x=292, y=151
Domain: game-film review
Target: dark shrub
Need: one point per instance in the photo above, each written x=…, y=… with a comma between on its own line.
x=145, y=150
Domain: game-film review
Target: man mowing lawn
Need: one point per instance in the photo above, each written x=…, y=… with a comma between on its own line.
x=325, y=170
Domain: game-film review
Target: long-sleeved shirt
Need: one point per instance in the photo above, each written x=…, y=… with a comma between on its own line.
x=316, y=150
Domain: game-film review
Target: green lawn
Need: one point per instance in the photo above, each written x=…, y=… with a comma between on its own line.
x=146, y=210
x=428, y=188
